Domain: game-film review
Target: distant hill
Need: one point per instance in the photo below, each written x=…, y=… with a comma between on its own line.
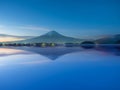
x=109, y=40
x=52, y=37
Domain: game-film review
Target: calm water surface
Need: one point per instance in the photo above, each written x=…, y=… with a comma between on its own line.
x=30, y=68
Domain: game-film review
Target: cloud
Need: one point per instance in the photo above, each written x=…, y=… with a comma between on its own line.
x=27, y=27
x=33, y=28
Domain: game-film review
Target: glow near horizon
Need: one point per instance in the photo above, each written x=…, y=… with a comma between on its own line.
x=7, y=39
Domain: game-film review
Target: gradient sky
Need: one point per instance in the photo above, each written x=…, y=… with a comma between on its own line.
x=78, y=18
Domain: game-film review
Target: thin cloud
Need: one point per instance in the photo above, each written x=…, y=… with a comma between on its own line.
x=33, y=28
x=24, y=27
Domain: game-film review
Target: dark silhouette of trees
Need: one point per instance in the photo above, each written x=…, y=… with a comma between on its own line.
x=87, y=44
x=1, y=44
x=72, y=44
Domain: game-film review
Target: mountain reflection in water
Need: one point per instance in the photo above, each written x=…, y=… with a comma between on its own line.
x=53, y=53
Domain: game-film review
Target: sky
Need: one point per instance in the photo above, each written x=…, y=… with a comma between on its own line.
x=77, y=18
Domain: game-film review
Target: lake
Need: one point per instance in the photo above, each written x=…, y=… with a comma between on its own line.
x=59, y=68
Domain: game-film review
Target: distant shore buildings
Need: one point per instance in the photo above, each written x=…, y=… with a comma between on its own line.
x=84, y=44
x=30, y=44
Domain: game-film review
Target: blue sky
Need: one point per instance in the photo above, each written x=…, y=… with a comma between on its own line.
x=78, y=18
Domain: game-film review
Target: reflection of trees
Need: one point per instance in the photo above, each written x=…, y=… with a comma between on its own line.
x=118, y=44
x=109, y=49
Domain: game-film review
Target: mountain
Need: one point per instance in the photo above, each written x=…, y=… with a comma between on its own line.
x=6, y=38
x=109, y=39
x=51, y=37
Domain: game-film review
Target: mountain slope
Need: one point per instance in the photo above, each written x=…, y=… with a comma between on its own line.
x=51, y=37
x=109, y=40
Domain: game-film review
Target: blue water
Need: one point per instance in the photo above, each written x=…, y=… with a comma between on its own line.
x=59, y=69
